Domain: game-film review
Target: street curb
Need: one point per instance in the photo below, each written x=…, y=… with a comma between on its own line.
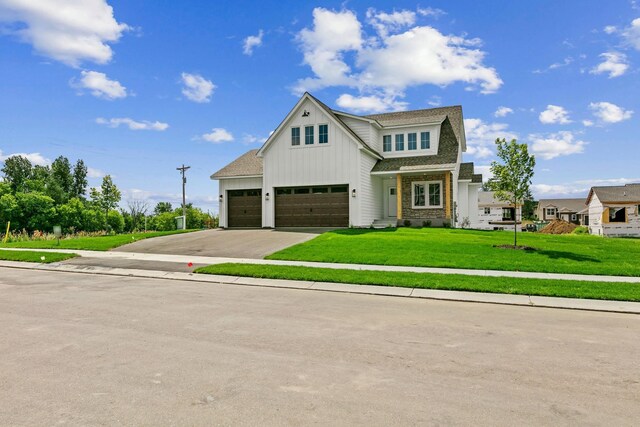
x=608, y=306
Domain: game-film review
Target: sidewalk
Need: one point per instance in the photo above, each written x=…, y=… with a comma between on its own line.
x=200, y=260
x=460, y=296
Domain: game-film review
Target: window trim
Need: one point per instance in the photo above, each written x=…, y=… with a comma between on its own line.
x=313, y=134
x=396, y=142
x=547, y=210
x=415, y=141
x=291, y=133
x=390, y=150
x=426, y=195
x=428, y=140
x=319, y=140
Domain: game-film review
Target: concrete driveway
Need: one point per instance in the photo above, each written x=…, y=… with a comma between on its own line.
x=224, y=243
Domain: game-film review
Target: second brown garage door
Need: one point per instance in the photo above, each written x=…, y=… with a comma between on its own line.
x=318, y=206
x=245, y=208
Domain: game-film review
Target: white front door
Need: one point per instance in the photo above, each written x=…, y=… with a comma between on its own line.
x=393, y=206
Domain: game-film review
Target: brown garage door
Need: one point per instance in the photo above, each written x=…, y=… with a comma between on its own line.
x=245, y=208
x=319, y=206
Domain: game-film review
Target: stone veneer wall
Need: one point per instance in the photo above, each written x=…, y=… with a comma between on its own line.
x=417, y=216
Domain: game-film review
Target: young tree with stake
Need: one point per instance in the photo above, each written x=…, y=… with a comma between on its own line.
x=511, y=180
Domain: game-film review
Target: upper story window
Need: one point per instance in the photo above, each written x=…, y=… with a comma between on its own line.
x=425, y=141
x=386, y=143
x=323, y=134
x=487, y=211
x=295, y=136
x=400, y=142
x=412, y=141
x=507, y=213
x=426, y=194
x=308, y=135
x=551, y=211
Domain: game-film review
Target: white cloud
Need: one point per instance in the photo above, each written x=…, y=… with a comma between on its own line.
x=370, y=104
x=68, y=31
x=587, y=123
x=503, y=111
x=218, y=136
x=197, y=88
x=554, y=145
x=34, y=158
x=248, y=139
x=252, y=42
x=614, y=63
x=431, y=11
x=100, y=85
x=565, y=62
x=607, y=112
x=485, y=170
x=434, y=101
x=398, y=55
x=385, y=23
x=554, y=114
x=481, y=136
x=610, y=29
x=132, y=124
x=95, y=173
x=631, y=34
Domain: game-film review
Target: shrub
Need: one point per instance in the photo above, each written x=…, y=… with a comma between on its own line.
x=581, y=230
x=426, y=223
x=407, y=223
x=446, y=224
x=165, y=221
x=115, y=221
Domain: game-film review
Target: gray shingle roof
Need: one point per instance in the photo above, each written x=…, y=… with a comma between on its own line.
x=466, y=171
x=620, y=193
x=476, y=178
x=563, y=205
x=454, y=113
x=447, y=154
x=246, y=165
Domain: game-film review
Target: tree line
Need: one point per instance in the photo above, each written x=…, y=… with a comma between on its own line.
x=35, y=198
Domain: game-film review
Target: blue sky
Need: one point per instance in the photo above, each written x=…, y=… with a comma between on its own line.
x=136, y=88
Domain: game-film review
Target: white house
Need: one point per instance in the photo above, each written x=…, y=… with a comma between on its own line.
x=494, y=214
x=327, y=168
x=614, y=210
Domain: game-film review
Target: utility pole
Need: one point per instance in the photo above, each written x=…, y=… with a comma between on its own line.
x=183, y=169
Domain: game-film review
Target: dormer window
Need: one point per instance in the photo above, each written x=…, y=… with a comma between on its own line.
x=412, y=141
x=400, y=142
x=386, y=143
x=425, y=142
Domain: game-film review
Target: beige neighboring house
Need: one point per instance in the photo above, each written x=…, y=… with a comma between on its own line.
x=494, y=214
x=614, y=211
x=570, y=210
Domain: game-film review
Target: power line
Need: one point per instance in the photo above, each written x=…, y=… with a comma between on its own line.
x=183, y=169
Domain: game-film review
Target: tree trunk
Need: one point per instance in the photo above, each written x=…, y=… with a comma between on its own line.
x=515, y=225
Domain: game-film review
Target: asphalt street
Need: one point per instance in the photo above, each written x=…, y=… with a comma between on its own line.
x=84, y=349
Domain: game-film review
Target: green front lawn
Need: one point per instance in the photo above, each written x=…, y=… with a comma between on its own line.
x=101, y=243
x=470, y=249
x=29, y=256
x=455, y=282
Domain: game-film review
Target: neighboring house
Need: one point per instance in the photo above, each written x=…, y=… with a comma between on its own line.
x=494, y=214
x=570, y=210
x=614, y=211
x=327, y=168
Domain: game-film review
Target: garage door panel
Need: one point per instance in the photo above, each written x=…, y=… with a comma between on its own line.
x=245, y=208
x=299, y=208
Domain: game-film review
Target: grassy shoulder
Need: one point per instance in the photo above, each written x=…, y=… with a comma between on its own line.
x=455, y=282
x=471, y=249
x=30, y=256
x=100, y=243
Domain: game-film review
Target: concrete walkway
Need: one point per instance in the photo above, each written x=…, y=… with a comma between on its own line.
x=461, y=296
x=206, y=260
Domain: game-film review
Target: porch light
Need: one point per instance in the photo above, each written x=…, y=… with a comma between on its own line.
x=266, y=196
x=220, y=198
x=353, y=193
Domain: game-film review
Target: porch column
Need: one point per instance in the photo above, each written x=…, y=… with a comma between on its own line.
x=398, y=196
x=447, y=197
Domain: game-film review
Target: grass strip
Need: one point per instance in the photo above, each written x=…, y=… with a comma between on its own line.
x=100, y=243
x=30, y=256
x=454, y=282
x=471, y=249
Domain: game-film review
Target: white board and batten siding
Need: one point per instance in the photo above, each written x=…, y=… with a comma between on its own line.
x=250, y=183
x=370, y=193
x=308, y=165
